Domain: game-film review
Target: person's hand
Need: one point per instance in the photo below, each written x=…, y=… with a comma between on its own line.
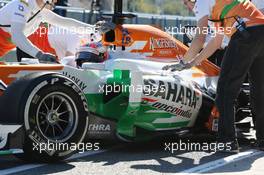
x=46, y=57
x=179, y=66
x=104, y=26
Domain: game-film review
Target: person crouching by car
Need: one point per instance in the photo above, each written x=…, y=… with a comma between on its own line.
x=243, y=23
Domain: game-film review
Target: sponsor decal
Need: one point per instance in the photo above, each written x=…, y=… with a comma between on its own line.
x=172, y=110
x=172, y=98
x=162, y=43
x=172, y=92
x=100, y=127
x=18, y=14
x=80, y=83
x=21, y=8
x=165, y=52
x=126, y=38
x=73, y=86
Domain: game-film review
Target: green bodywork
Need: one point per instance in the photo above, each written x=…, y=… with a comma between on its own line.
x=129, y=116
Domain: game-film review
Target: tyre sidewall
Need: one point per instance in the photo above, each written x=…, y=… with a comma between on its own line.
x=39, y=88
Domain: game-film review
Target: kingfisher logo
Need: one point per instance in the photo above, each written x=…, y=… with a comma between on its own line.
x=162, y=43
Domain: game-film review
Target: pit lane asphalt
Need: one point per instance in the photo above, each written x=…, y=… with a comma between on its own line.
x=138, y=158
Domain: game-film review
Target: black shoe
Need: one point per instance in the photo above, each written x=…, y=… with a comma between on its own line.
x=228, y=147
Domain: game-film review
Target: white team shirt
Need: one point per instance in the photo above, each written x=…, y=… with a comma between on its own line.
x=18, y=12
x=258, y=3
x=63, y=40
x=202, y=8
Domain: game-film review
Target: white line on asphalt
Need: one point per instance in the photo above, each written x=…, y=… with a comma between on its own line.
x=223, y=161
x=32, y=166
x=85, y=154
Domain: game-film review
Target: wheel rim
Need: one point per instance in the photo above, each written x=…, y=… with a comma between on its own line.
x=57, y=117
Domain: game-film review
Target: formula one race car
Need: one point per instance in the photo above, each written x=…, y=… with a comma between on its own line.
x=128, y=96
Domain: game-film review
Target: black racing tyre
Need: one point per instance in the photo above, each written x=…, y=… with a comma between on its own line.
x=54, y=112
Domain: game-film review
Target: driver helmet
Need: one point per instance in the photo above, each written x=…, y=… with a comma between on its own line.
x=92, y=52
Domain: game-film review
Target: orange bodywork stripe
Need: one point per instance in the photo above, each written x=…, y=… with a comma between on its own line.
x=7, y=70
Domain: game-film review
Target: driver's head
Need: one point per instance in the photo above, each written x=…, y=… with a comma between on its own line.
x=49, y=3
x=92, y=53
x=189, y=4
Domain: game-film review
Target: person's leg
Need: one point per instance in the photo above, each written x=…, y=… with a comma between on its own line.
x=236, y=63
x=257, y=93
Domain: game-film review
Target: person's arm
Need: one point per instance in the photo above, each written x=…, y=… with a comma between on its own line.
x=198, y=41
x=214, y=44
x=202, y=11
x=18, y=23
x=21, y=41
x=56, y=20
